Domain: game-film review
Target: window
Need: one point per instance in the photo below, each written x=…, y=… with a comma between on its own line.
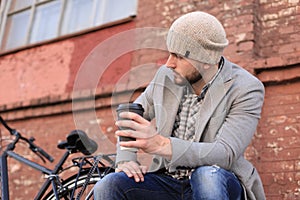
x=25, y=22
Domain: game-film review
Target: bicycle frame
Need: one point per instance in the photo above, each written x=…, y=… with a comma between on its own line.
x=51, y=173
x=77, y=141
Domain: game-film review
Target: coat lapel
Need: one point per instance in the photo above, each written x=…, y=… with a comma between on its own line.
x=213, y=97
x=171, y=99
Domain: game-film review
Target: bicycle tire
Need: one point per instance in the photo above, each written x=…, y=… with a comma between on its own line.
x=69, y=184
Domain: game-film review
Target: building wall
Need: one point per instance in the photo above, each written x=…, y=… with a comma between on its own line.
x=50, y=89
x=276, y=145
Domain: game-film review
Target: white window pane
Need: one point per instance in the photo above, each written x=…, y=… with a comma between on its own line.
x=46, y=21
x=77, y=16
x=115, y=10
x=19, y=4
x=16, y=30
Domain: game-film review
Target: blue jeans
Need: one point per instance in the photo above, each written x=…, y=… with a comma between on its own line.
x=207, y=182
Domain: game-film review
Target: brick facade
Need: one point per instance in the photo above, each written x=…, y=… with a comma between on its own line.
x=38, y=84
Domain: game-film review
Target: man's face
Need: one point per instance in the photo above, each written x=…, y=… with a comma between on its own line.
x=186, y=71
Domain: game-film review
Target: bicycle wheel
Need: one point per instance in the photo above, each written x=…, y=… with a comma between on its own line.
x=67, y=189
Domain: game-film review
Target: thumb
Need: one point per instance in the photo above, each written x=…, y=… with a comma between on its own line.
x=144, y=169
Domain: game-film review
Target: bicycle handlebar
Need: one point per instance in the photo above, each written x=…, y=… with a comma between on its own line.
x=45, y=154
x=39, y=151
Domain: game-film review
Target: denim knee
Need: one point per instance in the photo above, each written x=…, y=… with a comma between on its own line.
x=103, y=185
x=207, y=176
x=108, y=186
x=213, y=182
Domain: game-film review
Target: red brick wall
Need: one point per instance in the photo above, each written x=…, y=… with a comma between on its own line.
x=277, y=141
x=264, y=38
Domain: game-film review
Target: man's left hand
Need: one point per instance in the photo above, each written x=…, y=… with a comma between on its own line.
x=145, y=133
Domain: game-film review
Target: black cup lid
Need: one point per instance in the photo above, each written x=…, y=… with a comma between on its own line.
x=130, y=106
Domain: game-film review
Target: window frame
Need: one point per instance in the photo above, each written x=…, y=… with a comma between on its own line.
x=5, y=13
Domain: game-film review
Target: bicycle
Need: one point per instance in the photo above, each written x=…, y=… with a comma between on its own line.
x=91, y=167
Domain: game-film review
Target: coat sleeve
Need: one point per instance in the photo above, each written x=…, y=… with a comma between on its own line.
x=237, y=127
x=146, y=100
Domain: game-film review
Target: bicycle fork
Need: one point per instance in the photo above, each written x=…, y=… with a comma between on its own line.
x=4, y=176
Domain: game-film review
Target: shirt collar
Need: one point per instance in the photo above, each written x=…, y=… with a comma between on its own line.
x=205, y=88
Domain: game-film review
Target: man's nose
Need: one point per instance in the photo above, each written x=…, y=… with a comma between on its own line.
x=171, y=62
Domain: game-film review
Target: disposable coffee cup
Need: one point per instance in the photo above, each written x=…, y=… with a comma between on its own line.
x=129, y=107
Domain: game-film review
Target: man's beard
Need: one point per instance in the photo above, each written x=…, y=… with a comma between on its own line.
x=179, y=80
x=195, y=78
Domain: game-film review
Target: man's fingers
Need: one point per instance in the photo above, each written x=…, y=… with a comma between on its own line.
x=133, y=116
x=132, y=169
x=144, y=169
x=128, y=123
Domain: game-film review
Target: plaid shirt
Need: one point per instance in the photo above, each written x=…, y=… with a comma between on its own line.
x=184, y=126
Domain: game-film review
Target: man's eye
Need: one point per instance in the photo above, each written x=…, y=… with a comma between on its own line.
x=174, y=54
x=177, y=56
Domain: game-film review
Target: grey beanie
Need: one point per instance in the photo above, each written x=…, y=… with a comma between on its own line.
x=198, y=36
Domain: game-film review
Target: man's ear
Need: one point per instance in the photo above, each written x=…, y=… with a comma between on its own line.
x=207, y=66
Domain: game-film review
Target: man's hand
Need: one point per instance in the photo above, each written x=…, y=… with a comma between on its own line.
x=145, y=133
x=133, y=169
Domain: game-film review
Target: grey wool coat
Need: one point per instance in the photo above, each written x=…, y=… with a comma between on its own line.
x=227, y=121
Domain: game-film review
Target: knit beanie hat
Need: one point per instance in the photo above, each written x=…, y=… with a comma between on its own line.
x=198, y=36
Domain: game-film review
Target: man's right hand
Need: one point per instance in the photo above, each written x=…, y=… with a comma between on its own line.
x=132, y=169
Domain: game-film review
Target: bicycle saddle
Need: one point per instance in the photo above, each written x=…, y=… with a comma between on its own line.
x=77, y=140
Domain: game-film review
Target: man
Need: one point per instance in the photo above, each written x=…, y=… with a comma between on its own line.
x=201, y=112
